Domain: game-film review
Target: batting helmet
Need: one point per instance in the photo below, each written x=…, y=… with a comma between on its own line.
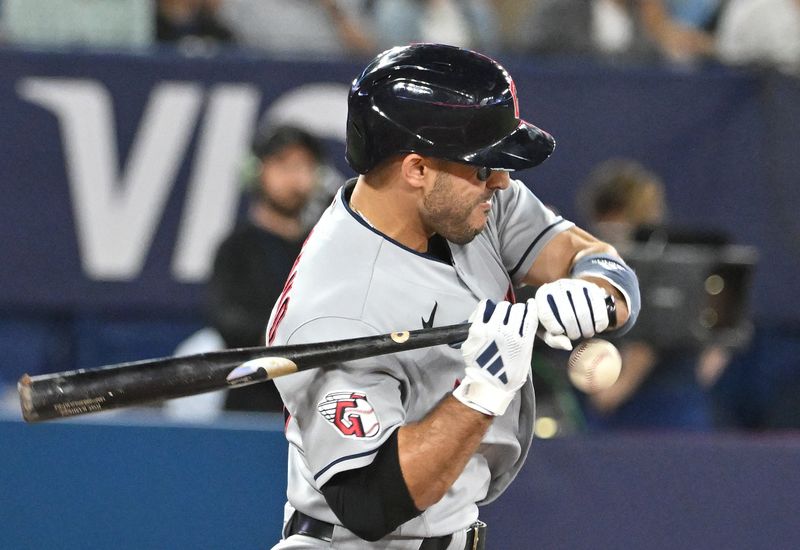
x=443, y=101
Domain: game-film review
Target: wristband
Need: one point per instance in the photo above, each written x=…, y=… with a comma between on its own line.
x=614, y=270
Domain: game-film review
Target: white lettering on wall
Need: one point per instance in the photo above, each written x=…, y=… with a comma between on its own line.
x=117, y=212
x=118, y=209
x=214, y=188
x=320, y=108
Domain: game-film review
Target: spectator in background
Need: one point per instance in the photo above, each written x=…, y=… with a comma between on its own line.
x=643, y=30
x=300, y=28
x=657, y=388
x=761, y=32
x=191, y=24
x=465, y=23
x=252, y=263
x=620, y=197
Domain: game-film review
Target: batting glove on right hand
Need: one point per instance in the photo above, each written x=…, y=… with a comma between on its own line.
x=570, y=309
x=497, y=354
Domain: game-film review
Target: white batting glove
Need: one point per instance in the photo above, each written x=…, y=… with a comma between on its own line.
x=570, y=309
x=497, y=354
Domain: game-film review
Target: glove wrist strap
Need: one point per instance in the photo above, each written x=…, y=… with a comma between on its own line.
x=483, y=397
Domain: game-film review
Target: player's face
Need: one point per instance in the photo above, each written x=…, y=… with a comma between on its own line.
x=458, y=203
x=288, y=178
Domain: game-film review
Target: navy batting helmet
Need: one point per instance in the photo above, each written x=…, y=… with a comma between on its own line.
x=443, y=101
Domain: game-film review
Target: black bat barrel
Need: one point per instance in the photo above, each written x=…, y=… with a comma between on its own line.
x=85, y=391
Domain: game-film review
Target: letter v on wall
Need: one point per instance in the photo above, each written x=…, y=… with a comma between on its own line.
x=117, y=211
x=213, y=193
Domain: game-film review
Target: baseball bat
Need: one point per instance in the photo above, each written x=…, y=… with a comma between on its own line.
x=82, y=391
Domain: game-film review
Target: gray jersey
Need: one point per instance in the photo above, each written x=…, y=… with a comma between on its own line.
x=350, y=281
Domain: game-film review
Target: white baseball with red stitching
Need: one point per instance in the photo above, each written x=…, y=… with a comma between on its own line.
x=594, y=365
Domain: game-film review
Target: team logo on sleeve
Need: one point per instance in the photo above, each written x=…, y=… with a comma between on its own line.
x=351, y=413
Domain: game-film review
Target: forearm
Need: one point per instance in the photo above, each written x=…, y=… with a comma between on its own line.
x=556, y=260
x=413, y=469
x=434, y=451
x=559, y=258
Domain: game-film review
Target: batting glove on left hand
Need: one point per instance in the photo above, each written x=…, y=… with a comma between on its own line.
x=570, y=309
x=497, y=354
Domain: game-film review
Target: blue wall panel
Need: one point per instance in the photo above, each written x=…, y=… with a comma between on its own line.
x=100, y=486
x=132, y=483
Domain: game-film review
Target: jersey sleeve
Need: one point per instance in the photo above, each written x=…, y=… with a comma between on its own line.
x=343, y=413
x=524, y=226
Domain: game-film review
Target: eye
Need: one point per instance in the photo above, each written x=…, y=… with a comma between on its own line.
x=484, y=173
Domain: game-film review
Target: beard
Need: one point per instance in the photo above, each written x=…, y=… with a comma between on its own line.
x=448, y=213
x=291, y=207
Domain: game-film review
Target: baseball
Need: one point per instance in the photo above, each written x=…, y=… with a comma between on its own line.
x=594, y=365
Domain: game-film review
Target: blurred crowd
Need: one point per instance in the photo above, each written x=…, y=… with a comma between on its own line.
x=739, y=32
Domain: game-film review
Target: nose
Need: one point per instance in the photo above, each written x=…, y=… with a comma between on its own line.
x=498, y=180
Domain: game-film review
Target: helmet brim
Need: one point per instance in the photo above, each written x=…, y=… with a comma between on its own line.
x=525, y=147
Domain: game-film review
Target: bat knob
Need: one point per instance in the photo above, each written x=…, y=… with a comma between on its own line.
x=26, y=399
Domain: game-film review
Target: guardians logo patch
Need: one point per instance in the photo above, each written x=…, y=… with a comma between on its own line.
x=351, y=413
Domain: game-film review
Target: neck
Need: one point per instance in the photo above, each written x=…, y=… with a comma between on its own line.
x=287, y=227
x=392, y=211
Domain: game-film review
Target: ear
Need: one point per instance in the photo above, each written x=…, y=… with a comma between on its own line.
x=415, y=170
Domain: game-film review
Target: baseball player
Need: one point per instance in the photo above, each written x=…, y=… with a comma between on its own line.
x=397, y=452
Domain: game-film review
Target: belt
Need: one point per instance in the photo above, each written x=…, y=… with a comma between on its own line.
x=301, y=524
x=476, y=539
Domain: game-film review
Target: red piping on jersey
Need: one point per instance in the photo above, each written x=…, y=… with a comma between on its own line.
x=510, y=296
x=283, y=299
